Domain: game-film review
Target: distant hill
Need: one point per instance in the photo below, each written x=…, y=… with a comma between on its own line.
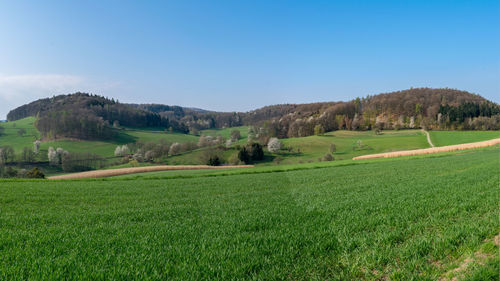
x=88, y=116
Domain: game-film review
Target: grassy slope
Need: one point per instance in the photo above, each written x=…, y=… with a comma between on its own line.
x=13, y=139
x=103, y=148
x=442, y=138
x=387, y=218
x=227, y=132
x=313, y=147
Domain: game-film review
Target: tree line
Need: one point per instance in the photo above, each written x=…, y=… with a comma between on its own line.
x=87, y=116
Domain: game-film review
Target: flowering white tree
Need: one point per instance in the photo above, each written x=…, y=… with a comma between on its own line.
x=175, y=148
x=118, y=151
x=56, y=155
x=36, y=146
x=138, y=155
x=149, y=156
x=122, y=150
x=205, y=141
x=274, y=145
x=229, y=142
x=52, y=154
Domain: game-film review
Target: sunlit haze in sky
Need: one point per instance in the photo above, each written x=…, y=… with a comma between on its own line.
x=241, y=55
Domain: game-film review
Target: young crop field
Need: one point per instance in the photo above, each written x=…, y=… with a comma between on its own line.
x=404, y=219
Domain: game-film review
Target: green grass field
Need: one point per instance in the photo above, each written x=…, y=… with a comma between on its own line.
x=309, y=149
x=313, y=147
x=226, y=133
x=11, y=137
x=403, y=219
x=103, y=148
x=442, y=138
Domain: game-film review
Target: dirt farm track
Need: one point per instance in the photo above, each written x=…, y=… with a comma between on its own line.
x=135, y=170
x=431, y=150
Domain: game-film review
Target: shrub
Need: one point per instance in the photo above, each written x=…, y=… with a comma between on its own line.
x=175, y=149
x=133, y=163
x=138, y=156
x=212, y=157
x=277, y=160
x=214, y=160
x=256, y=152
x=6, y=154
x=319, y=130
x=250, y=153
x=11, y=172
x=28, y=155
x=36, y=146
x=35, y=173
x=328, y=157
x=243, y=155
x=21, y=132
x=149, y=156
x=205, y=141
x=234, y=160
x=333, y=148
x=77, y=162
x=235, y=135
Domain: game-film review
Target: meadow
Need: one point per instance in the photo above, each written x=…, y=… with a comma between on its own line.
x=442, y=138
x=404, y=219
x=103, y=148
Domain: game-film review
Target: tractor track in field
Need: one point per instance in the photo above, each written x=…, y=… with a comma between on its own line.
x=431, y=150
x=136, y=170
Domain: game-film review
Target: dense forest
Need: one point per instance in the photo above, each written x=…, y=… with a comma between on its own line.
x=88, y=116
x=84, y=116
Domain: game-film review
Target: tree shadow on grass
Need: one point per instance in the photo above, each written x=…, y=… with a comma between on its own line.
x=123, y=138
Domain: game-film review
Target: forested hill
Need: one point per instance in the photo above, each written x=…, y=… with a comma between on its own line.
x=87, y=116
x=84, y=116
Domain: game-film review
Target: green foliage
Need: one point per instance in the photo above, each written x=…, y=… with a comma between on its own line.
x=333, y=148
x=319, y=130
x=35, y=173
x=235, y=135
x=21, y=132
x=243, y=155
x=214, y=160
x=328, y=157
x=212, y=157
x=251, y=153
x=77, y=162
x=386, y=222
x=256, y=152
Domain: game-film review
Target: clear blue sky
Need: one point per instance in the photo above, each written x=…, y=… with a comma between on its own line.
x=240, y=55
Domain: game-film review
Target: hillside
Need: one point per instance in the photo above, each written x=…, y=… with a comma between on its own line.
x=88, y=116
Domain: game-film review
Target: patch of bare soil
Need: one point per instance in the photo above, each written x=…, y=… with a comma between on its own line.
x=135, y=170
x=431, y=150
